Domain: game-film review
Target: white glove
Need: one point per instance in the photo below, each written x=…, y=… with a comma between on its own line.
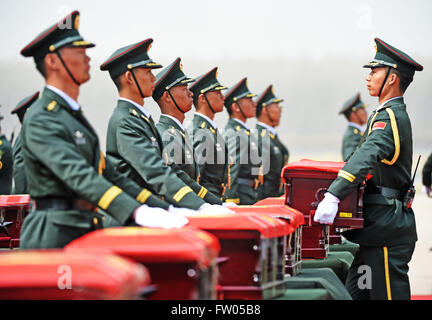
x=427, y=190
x=327, y=209
x=229, y=204
x=208, y=208
x=158, y=218
x=184, y=212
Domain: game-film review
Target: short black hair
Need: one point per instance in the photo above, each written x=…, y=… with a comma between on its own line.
x=117, y=82
x=41, y=67
x=404, y=80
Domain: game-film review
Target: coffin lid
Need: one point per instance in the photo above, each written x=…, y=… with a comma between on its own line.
x=267, y=226
x=107, y=274
x=14, y=200
x=148, y=245
x=275, y=210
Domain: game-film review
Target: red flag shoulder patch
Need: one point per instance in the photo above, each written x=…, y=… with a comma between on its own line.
x=379, y=125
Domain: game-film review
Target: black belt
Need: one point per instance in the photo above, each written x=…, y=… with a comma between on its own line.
x=386, y=192
x=60, y=203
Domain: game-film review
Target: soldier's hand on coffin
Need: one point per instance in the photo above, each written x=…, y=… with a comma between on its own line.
x=207, y=208
x=229, y=204
x=427, y=190
x=158, y=218
x=185, y=212
x=327, y=209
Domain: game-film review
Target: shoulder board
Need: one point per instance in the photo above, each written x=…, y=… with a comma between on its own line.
x=52, y=106
x=133, y=112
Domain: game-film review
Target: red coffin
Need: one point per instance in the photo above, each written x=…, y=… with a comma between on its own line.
x=182, y=262
x=306, y=182
x=13, y=210
x=252, y=253
x=56, y=275
x=293, y=242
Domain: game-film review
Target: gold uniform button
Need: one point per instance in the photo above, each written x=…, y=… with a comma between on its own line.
x=95, y=221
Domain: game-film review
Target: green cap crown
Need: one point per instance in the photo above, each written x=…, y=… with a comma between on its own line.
x=266, y=98
x=351, y=105
x=169, y=77
x=62, y=34
x=388, y=56
x=24, y=104
x=206, y=82
x=237, y=92
x=128, y=58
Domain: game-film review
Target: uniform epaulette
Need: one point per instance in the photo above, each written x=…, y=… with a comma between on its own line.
x=52, y=106
x=133, y=112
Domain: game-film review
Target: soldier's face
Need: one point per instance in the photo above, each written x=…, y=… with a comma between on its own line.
x=274, y=112
x=77, y=61
x=375, y=79
x=216, y=100
x=183, y=97
x=248, y=107
x=146, y=80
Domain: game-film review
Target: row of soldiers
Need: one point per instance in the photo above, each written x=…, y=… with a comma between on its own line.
x=59, y=163
x=73, y=185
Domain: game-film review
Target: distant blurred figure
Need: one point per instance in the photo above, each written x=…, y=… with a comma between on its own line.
x=354, y=111
x=269, y=113
x=6, y=163
x=19, y=177
x=427, y=176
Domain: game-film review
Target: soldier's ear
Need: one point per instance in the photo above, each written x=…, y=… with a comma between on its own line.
x=51, y=63
x=393, y=79
x=127, y=77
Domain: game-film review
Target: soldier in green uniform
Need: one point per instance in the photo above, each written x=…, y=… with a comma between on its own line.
x=68, y=176
x=246, y=170
x=354, y=111
x=388, y=238
x=6, y=163
x=211, y=150
x=427, y=176
x=175, y=99
x=19, y=177
x=134, y=144
x=269, y=114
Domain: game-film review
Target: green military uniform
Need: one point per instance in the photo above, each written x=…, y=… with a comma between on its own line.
x=6, y=165
x=246, y=170
x=209, y=145
x=388, y=238
x=354, y=132
x=180, y=155
x=67, y=174
x=20, y=180
x=134, y=144
x=278, y=153
x=427, y=172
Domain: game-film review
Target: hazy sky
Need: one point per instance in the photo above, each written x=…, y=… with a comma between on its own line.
x=311, y=51
x=228, y=28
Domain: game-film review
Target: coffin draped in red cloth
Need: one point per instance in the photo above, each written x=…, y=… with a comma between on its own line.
x=252, y=252
x=182, y=262
x=57, y=275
